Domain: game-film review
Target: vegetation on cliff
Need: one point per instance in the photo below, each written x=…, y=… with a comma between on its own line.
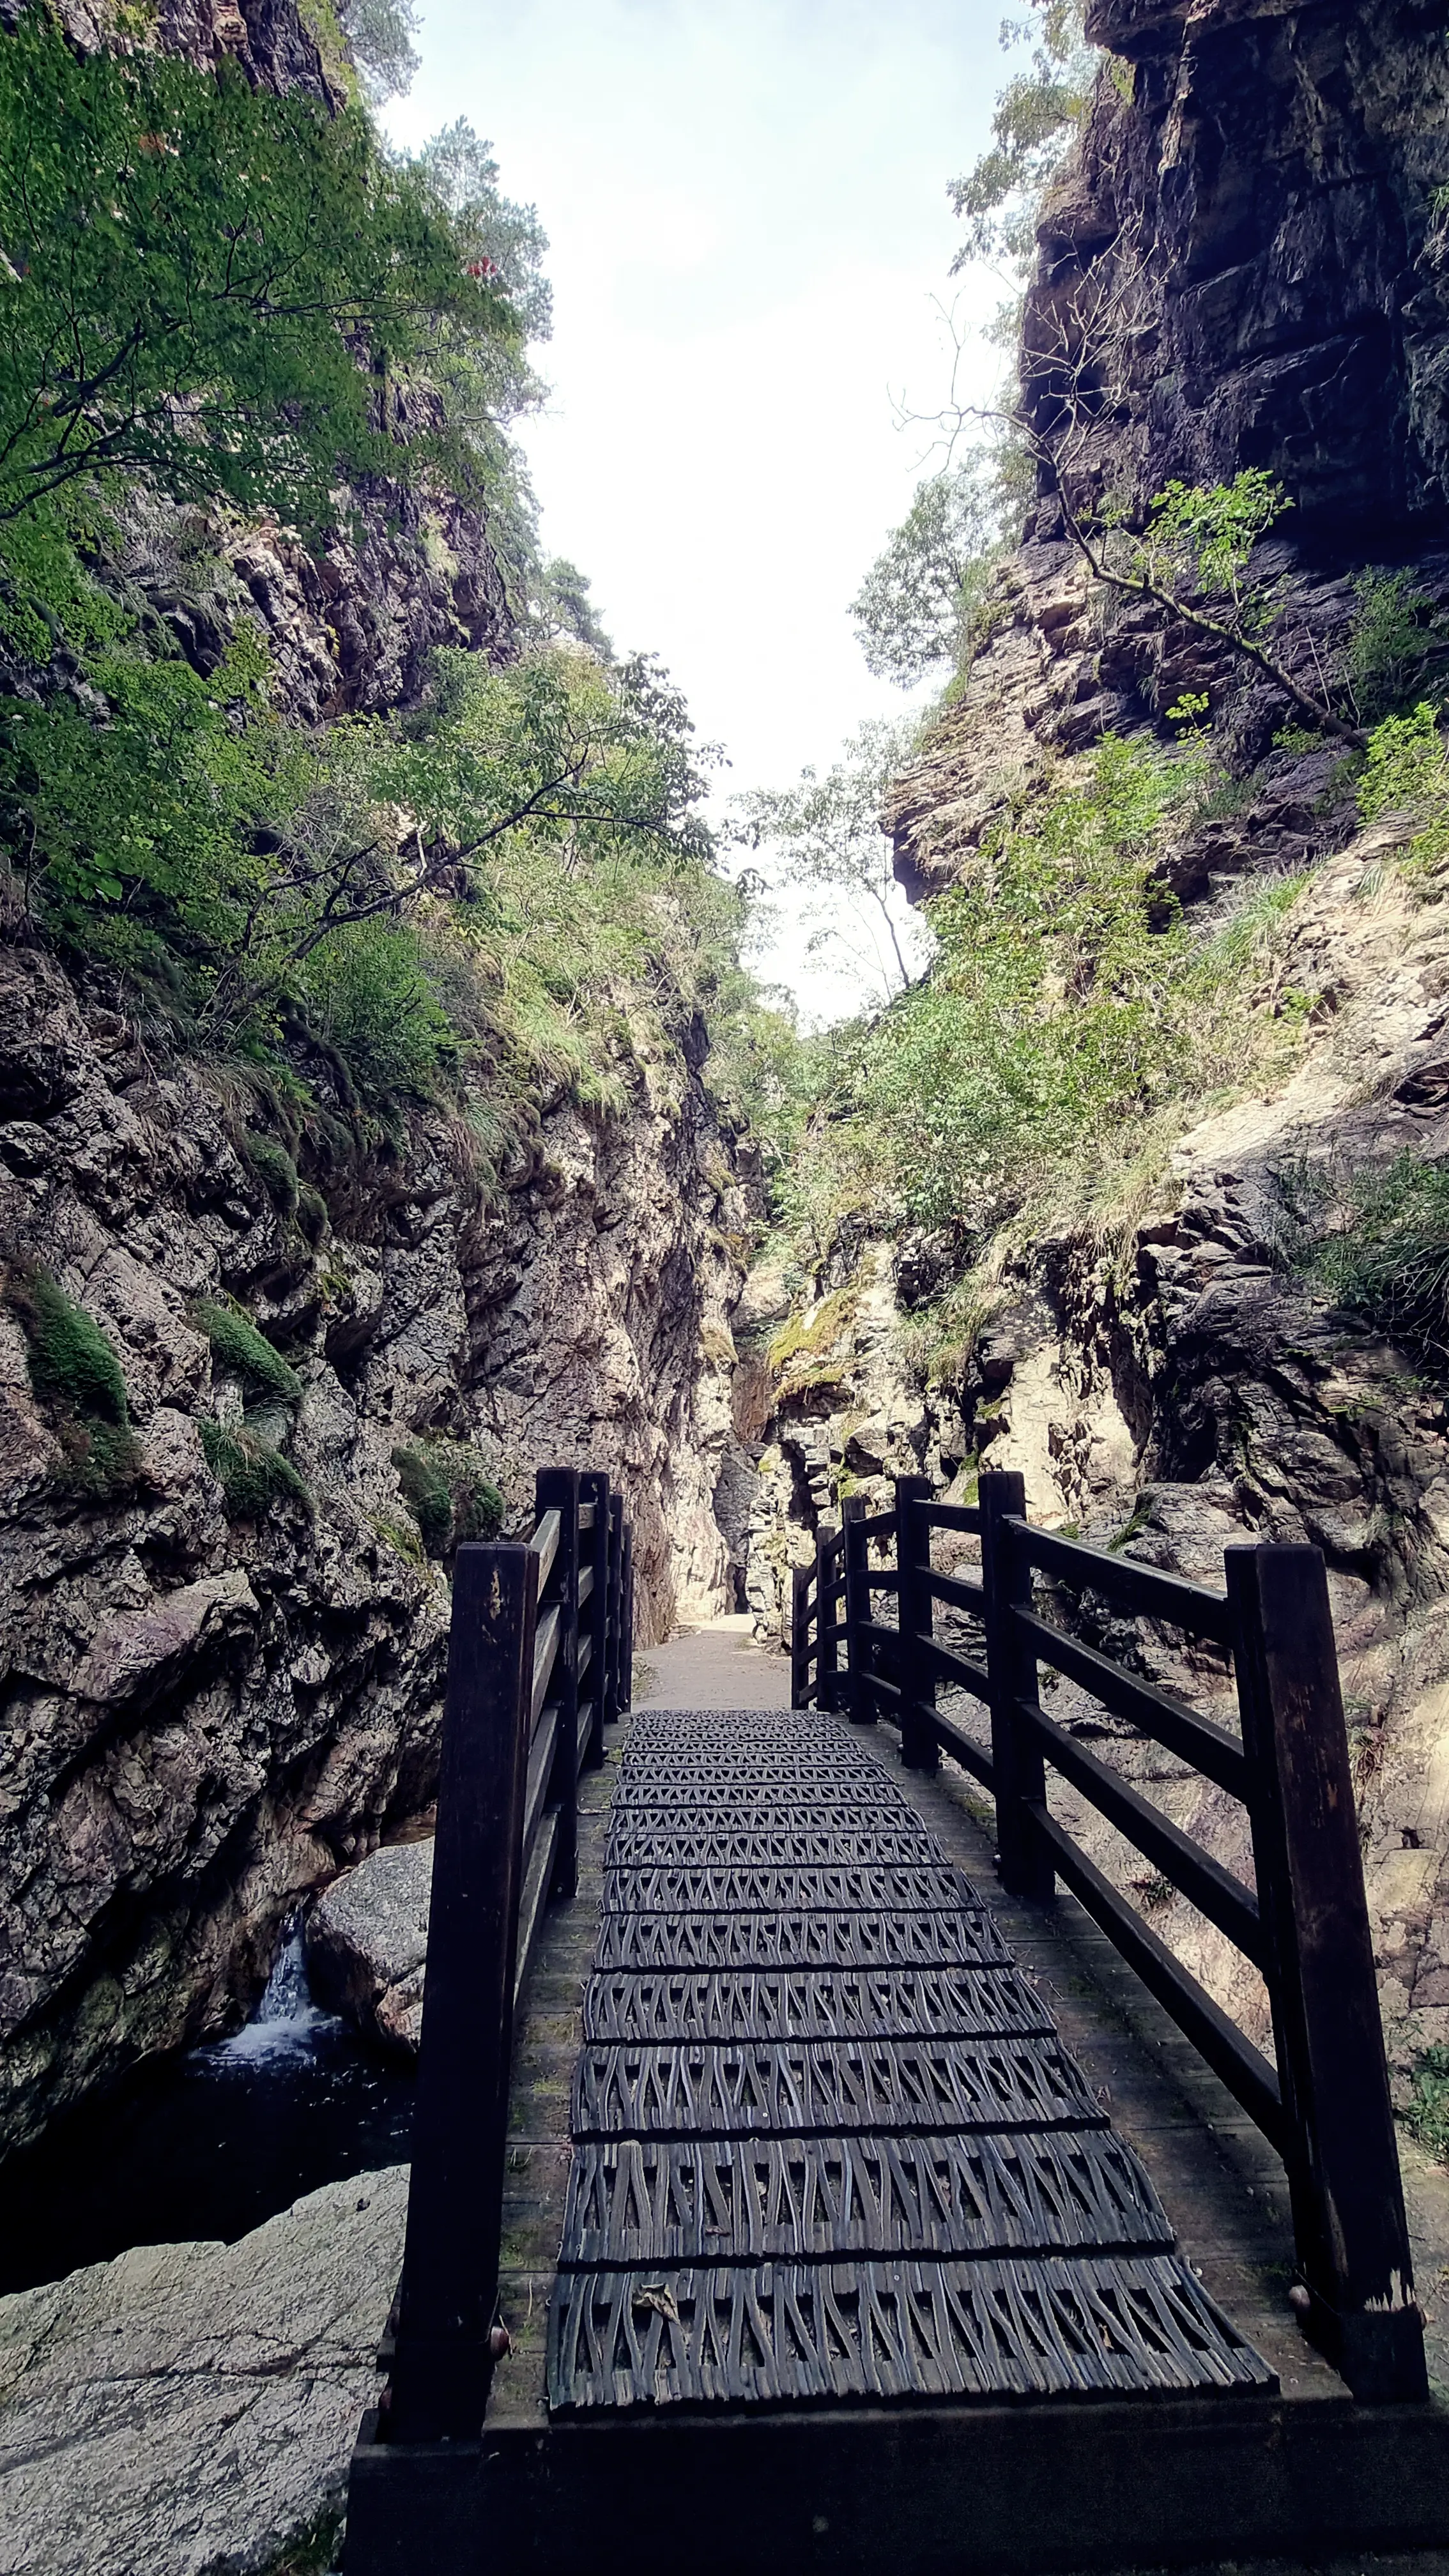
x=1078, y=1014
x=237, y=305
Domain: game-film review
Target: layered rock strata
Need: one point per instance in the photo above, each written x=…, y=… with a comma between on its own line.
x=1243, y=264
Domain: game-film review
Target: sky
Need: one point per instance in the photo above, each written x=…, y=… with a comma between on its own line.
x=750, y=245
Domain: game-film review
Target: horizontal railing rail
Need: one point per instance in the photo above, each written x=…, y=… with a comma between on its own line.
x=1303, y=1923
x=540, y=1654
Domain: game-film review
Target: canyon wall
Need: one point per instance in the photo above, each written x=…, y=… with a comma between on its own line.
x=1250, y=225
x=210, y=1706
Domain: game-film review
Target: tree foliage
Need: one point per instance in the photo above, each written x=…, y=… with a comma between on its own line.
x=834, y=858
x=923, y=604
x=1035, y=116
x=213, y=287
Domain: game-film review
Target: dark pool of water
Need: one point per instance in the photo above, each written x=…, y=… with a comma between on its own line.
x=208, y=2145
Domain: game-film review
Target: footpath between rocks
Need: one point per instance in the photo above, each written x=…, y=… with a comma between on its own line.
x=189, y=2410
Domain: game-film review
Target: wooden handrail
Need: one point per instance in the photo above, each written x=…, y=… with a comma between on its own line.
x=528, y=1621
x=1327, y=2108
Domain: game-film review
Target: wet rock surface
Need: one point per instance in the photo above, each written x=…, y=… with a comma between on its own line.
x=191, y=2409
x=367, y=1943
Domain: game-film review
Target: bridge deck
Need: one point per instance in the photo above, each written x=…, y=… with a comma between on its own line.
x=827, y=2141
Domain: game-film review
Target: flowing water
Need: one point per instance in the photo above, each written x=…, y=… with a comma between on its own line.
x=210, y=2143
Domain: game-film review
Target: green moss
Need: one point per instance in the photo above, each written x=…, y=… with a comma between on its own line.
x=312, y=1215
x=312, y=2550
x=1427, y=2117
x=252, y=1473
x=403, y=1541
x=75, y=1372
x=815, y=1351
x=275, y=1169
x=449, y=1492
x=237, y=1344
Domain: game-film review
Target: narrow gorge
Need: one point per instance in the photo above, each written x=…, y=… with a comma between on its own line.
x=390, y=1107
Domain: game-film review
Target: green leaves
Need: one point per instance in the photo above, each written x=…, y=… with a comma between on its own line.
x=1204, y=534
x=212, y=286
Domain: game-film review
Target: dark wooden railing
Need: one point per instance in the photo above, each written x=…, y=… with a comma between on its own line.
x=539, y=1661
x=1325, y=2106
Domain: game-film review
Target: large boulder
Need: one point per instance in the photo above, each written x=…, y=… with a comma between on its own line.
x=367, y=1943
x=190, y=2409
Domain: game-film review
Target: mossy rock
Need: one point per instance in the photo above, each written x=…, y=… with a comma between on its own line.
x=77, y=1376
x=449, y=1492
x=252, y=1473
x=275, y=1169
x=807, y=1351
x=237, y=1344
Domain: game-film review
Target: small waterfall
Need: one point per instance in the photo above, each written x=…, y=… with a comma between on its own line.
x=286, y=2022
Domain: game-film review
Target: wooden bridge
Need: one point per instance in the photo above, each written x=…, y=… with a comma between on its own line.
x=842, y=2253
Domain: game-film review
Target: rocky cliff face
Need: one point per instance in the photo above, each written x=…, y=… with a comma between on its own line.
x=211, y=1704
x=1250, y=227
x=209, y=1716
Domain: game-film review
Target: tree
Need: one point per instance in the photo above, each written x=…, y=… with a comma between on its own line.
x=835, y=852
x=215, y=288
x=1036, y=115
x=380, y=34
x=922, y=603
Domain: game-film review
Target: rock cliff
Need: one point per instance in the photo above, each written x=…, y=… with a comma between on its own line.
x=1245, y=258
x=213, y=1699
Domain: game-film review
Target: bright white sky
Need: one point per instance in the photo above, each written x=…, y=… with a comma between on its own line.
x=746, y=205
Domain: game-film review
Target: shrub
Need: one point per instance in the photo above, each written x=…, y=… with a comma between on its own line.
x=1427, y=2118
x=275, y=1169
x=312, y=1215
x=1378, y=1242
x=237, y=1344
x=252, y=1472
x=75, y=1371
x=449, y=1492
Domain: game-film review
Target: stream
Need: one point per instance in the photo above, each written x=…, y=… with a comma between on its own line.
x=210, y=2143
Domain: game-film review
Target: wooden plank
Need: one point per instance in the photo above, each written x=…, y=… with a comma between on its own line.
x=958, y=1591
x=557, y=1490
x=1202, y=1880
x=541, y=1867
x=1342, y=2156
x=919, y=1746
x=1210, y=1749
x=801, y=1649
x=594, y=1498
x=827, y=1632
x=857, y=1609
x=540, y=1765
x=972, y=1757
x=545, y=1654
x=1139, y=1588
x=958, y=1669
x=544, y=1544
x=1245, y=2071
x=965, y=1517
x=1016, y=1756
x=450, y=2268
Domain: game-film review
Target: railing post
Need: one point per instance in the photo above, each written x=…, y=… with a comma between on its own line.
x=857, y=1612
x=614, y=1586
x=460, y=2121
x=800, y=1636
x=920, y=1750
x=594, y=1489
x=827, y=1660
x=626, y=1644
x=1343, y=2166
x=556, y=1489
x=1016, y=1761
